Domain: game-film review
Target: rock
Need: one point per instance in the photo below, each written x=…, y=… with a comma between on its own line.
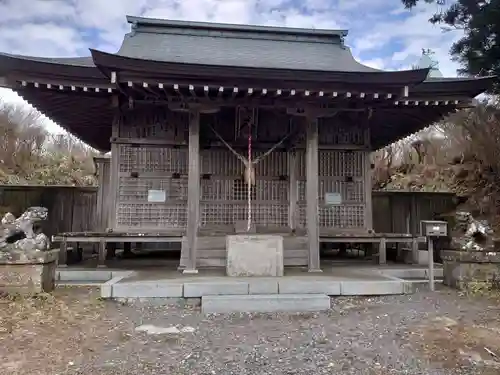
x=154, y=330
x=445, y=321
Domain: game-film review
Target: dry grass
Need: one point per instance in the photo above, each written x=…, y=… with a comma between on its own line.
x=461, y=154
x=30, y=155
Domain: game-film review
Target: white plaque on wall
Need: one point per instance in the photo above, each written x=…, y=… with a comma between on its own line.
x=156, y=196
x=333, y=198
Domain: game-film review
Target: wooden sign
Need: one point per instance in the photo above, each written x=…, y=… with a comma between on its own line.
x=333, y=199
x=157, y=196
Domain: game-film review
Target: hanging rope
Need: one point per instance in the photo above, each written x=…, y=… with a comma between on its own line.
x=249, y=164
x=249, y=182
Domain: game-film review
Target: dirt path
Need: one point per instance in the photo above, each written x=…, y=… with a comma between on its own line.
x=74, y=332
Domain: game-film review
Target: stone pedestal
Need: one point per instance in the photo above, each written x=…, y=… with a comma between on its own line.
x=422, y=257
x=29, y=275
x=463, y=267
x=254, y=255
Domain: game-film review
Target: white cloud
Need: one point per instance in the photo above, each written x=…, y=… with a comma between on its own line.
x=382, y=34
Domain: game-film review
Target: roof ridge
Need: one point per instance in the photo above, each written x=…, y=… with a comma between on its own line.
x=137, y=21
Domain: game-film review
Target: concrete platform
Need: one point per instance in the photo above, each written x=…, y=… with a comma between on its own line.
x=169, y=283
x=265, y=303
x=349, y=283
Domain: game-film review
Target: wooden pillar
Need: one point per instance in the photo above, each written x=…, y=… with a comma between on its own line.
x=382, y=251
x=102, y=165
x=312, y=187
x=113, y=175
x=193, y=205
x=63, y=254
x=368, y=183
x=101, y=261
x=293, y=191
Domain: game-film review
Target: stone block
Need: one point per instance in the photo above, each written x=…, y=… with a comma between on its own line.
x=254, y=255
x=461, y=268
x=107, y=290
x=200, y=289
x=372, y=288
x=265, y=303
x=84, y=275
x=263, y=286
x=36, y=275
x=291, y=286
x=146, y=289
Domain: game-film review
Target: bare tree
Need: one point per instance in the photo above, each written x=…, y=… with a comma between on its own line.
x=29, y=154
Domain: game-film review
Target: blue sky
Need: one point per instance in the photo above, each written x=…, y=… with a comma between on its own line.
x=382, y=33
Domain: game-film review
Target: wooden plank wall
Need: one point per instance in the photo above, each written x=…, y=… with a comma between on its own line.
x=144, y=165
x=73, y=209
x=401, y=211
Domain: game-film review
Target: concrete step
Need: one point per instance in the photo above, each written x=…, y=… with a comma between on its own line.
x=265, y=303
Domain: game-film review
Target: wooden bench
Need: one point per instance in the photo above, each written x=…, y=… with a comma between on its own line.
x=104, y=239
x=381, y=239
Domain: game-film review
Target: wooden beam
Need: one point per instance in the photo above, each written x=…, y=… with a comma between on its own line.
x=367, y=176
x=113, y=176
x=382, y=251
x=193, y=204
x=294, y=196
x=312, y=187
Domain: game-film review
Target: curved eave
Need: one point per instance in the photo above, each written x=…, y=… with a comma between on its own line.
x=108, y=62
x=57, y=69
x=391, y=125
x=456, y=87
x=89, y=118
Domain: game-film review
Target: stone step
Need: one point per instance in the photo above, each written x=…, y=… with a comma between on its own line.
x=265, y=303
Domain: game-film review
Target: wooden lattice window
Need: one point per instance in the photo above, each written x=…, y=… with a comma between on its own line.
x=240, y=190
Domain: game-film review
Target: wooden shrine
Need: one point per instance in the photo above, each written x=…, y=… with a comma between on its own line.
x=217, y=129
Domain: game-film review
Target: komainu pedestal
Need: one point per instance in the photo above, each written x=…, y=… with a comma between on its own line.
x=29, y=275
x=461, y=268
x=473, y=254
x=27, y=265
x=254, y=255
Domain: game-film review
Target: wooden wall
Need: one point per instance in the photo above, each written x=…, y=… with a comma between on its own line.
x=144, y=167
x=401, y=211
x=73, y=209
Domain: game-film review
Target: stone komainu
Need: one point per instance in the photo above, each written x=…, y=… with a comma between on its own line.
x=20, y=235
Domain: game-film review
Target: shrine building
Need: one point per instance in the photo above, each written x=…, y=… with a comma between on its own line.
x=217, y=129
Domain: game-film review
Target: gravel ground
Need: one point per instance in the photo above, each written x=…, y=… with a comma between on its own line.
x=73, y=332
